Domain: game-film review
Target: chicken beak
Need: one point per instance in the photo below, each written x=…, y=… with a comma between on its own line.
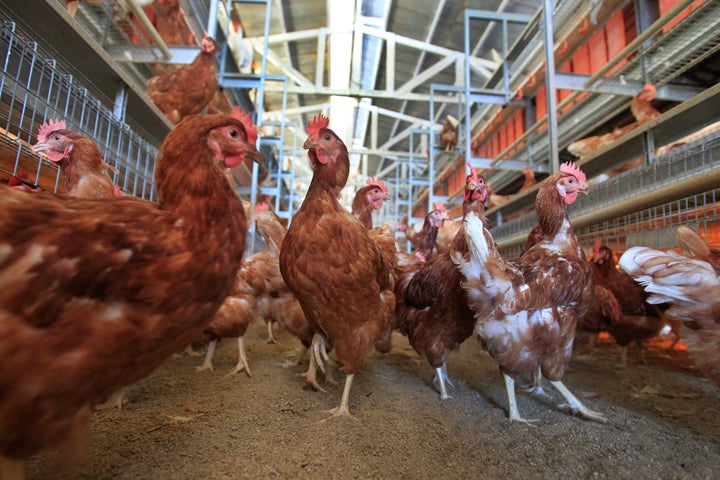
x=583, y=188
x=310, y=143
x=254, y=155
x=40, y=147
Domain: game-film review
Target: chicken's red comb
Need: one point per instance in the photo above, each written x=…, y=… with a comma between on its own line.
x=596, y=246
x=572, y=169
x=50, y=126
x=318, y=122
x=376, y=182
x=262, y=206
x=245, y=118
x=439, y=206
x=473, y=173
x=650, y=91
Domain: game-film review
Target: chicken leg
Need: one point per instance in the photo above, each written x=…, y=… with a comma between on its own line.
x=311, y=375
x=318, y=359
x=575, y=406
x=242, y=360
x=441, y=377
x=343, y=410
x=298, y=358
x=207, y=363
x=270, y=337
x=514, y=413
x=535, y=389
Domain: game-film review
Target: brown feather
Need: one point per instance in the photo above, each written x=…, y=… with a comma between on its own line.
x=94, y=295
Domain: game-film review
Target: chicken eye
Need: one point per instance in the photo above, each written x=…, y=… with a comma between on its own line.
x=233, y=133
x=327, y=136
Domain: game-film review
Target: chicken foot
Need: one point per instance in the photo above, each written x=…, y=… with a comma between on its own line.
x=298, y=358
x=311, y=375
x=575, y=406
x=207, y=363
x=116, y=400
x=514, y=413
x=190, y=352
x=242, y=360
x=323, y=359
x=343, y=410
x=319, y=351
x=535, y=389
x=270, y=337
x=319, y=358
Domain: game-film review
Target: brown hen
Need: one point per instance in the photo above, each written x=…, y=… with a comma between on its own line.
x=369, y=199
x=190, y=88
x=526, y=312
x=432, y=309
x=334, y=266
x=639, y=321
x=95, y=295
x=80, y=161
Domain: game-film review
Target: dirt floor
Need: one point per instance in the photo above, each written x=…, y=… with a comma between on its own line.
x=182, y=424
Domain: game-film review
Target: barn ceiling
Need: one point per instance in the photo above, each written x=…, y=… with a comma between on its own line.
x=388, y=72
x=370, y=65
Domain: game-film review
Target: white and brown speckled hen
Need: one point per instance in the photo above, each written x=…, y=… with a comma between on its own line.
x=526, y=311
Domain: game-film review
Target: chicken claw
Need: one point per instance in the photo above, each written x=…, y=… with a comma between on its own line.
x=297, y=360
x=242, y=360
x=319, y=351
x=207, y=363
x=116, y=401
x=536, y=389
x=311, y=375
x=575, y=406
x=342, y=410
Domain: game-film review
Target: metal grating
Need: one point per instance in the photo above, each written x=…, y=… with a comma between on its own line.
x=687, y=44
x=655, y=227
x=32, y=88
x=685, y=162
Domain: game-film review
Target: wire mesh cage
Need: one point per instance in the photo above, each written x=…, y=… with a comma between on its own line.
x=33, y=88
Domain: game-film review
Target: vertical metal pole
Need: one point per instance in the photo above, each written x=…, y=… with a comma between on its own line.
x=504, y=66
x=432, y=149
x=646, y=13
x=263, y=71
x=468, y=127
x=120, y=104
x=550, y=87
x=212, y=19
x=225, y=47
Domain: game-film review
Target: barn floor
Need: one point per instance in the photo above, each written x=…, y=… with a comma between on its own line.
x=182, y=424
